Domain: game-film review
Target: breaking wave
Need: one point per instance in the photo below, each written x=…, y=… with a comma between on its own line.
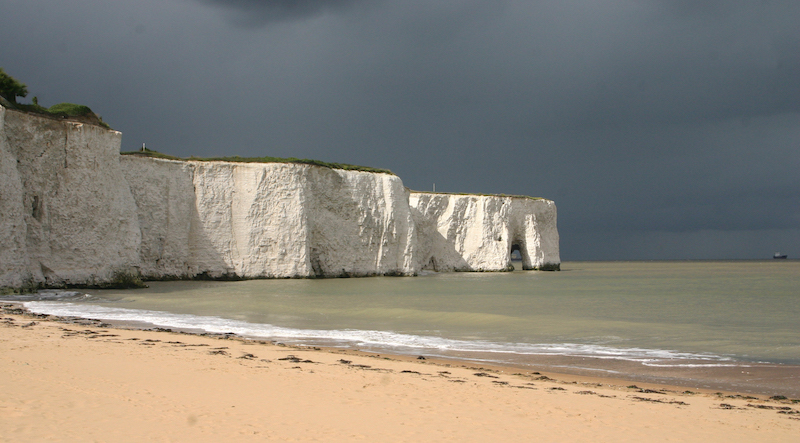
x=56, y=304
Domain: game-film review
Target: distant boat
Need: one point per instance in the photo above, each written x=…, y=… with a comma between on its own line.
x=779, y=255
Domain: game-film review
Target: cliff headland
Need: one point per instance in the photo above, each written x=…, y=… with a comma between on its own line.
x=74, y=212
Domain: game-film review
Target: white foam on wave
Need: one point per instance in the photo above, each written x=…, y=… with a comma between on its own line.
x=364, y=338
x=46, y=294
x=695, y=365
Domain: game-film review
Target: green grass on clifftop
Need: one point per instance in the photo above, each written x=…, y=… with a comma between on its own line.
x=237, y=159
x=11, y=88
x=66, y=111
x=69, y=109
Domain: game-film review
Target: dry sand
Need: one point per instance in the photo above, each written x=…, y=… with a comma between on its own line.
x=81, y=381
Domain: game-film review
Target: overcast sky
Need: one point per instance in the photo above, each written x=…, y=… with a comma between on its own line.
x=662, y=129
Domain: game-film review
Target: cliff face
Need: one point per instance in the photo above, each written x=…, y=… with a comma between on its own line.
x=268, y=220
x=65, y=215
x=13, y=251
x=479, y=232
x=73, y=211
x=359, y=224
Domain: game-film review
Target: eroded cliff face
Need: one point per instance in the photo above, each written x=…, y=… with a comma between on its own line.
x=479, y=232
x=268, y=220
x=14, y=270
x=65, y=215
x=75, y=212
x=359, y=224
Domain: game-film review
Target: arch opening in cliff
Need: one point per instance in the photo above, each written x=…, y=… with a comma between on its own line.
x=519, y=246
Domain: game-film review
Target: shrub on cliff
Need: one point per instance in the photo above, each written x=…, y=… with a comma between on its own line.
x=11, y=88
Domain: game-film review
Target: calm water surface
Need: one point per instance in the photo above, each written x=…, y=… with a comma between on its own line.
x=614, y=317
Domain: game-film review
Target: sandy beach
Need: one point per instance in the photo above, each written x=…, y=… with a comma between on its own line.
x=81, y=380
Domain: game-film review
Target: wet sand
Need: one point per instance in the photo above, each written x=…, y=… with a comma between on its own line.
x=753, y=378
x=81, y=380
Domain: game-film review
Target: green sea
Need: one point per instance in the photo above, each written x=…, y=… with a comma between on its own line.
x=694, y=323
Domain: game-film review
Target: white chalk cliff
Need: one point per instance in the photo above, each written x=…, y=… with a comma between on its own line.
x=268, y=220
x=479, y=232
x=66, y=214
x=75, y=212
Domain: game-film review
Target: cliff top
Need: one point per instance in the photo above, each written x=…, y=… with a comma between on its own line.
x=528, y=197
x=11, y=88
x=62, y=111
x=236, y=159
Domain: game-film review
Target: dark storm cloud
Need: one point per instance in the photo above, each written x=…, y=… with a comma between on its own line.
x=661, y=128
x=715, y=61
x=254, y=13
x=706, y=9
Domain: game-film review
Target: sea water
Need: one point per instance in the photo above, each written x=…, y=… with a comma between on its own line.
x=699, y=323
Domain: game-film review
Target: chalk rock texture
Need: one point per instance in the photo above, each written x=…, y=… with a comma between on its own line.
x=14, y=270
x=66, y=214
x=479, y=232
x=75, y=212
x=253, y=220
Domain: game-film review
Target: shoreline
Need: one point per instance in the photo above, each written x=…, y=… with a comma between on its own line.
x=68, y=379
x=732, y=376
